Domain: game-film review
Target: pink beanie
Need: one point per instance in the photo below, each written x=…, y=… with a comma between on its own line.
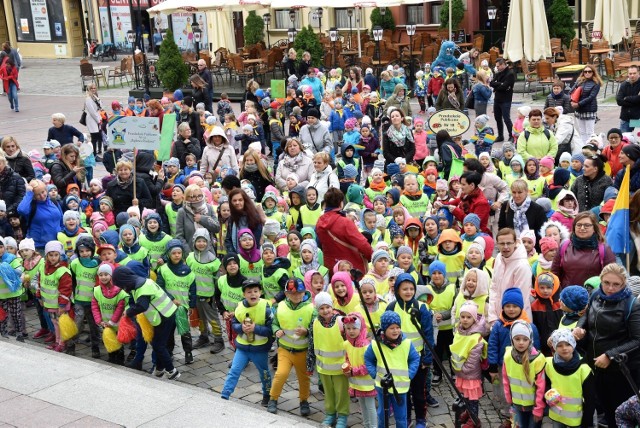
x=471, y=308
x=547, y=161
x=548, y=244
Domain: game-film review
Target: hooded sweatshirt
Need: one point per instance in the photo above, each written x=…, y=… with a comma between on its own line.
x=546, y=314
x=479, y=296
x=351, y=301
x=511, y=272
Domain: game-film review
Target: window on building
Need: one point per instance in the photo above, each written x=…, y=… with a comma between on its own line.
x=434, y=16
x=342, y=18
x=415, y=13
x=283, y=21
x=39, y=21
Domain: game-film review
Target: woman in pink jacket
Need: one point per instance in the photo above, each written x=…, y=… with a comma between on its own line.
x=510, y=270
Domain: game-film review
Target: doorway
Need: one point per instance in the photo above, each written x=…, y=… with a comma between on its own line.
x=238, y=29
x=141, y=22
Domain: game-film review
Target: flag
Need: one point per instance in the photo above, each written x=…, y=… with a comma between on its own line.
x=489, y=139
x=618, y=227
x=166, y=137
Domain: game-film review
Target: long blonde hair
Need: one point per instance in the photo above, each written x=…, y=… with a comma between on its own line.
x=262, y=167
x=595, y=76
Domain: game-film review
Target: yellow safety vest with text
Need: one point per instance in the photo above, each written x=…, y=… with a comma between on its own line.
x=328, y=347
x=569, y=411
x=523, y=393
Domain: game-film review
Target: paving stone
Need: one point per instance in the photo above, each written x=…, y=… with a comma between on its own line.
x=18, y=409
x=5, y=394
x=51, y=416
x=90, y=421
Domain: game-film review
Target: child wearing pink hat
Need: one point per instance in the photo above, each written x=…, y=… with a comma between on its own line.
x=420, y=138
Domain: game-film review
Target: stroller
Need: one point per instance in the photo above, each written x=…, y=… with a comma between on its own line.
x=106, y=50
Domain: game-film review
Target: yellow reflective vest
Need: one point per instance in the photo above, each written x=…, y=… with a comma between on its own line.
x=443, y=301
x=356, y=359
x=328, y=347
x=257, y=315
x=569, y=411
x=462, y=346
x=398, y=361
x=523, y=393
x=290, y=319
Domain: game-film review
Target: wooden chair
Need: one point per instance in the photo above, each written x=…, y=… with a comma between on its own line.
x=119, y=72
x=494, y=54
x=87, y=75
x=428, y=54
x=612, y=76
x=238, y=68
x=186, y=56
x=478, y=42
x=573, y=46
x=635, y=46
x=618, y=59
x=556, y=48
x=543, y=76
x=572, y=57
x=206, y=56
x=588, y=29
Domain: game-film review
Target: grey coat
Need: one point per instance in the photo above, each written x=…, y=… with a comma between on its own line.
x=186, y=227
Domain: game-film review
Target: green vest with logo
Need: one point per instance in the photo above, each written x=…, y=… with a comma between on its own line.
x=290, y=319
x=229, y=296
x=49, y=286
x=270, y=284
x=251, y=270
x=108, y=306
x=172, y=217
x=85, y=281
x=177, y=286
x=257, y=315
x=155, y=249
x=443, y=301
x=417, y=208
x=205, y=275
x=138, y=256
x=160, y=304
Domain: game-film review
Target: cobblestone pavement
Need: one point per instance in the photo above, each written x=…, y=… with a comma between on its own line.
x=50, y=86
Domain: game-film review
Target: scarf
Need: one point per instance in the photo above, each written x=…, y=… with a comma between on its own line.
x=88, y=262
x=536, y=174
x=378, y=187
x=32, y=262
x=391, y=343
x=568, y=212
x=544, y=263
x=453, y=100
x=585, y=244
x=623, y=294
x=126, y=183
x=194, y=208
x=570, y=365
x=292, y=163
x=399, y=136
x=251, y=168
x=576, y=173
x=417, y=193
x=14, y=156
x=520, y=222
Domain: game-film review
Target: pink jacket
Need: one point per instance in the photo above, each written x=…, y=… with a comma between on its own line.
x=511, y=272
x=561, y=218
x=108, y=293
x=538, y=408
x=422, y=150
x=472, y=367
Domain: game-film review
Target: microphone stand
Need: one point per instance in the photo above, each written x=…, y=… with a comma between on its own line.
x=460, y=404
x=387, y=380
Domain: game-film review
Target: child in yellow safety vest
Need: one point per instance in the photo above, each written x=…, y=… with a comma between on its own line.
x=229, y=292
x=291, y=324
x=373, y=302
x=251, y=321
x=326, y=354
x=32, y=262
x=523, y=377
x=572, y=379
x=474, y=288
x=402, y=359
x=107, y=306
x=468, y=355
x=345, y=300
x=361, y=385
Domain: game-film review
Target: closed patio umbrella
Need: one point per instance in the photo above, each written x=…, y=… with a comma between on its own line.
x=611, y=21
x=527, y=31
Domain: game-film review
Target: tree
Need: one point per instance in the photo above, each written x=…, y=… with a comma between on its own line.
x=457, y=14
x=253, y=29
x=307, y=40
x=385, y=21
x=560, y=21
x=172, y=70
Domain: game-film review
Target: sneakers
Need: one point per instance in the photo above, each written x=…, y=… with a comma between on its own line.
x=173, y=374
x=21, y=337
x=137, y=365
x=95, y=352
x=217, y=347
x=432, y=402
x=328, y=421
x=188, y=358
x=265, y=400
x=201, y=342
x=437, y=379
x=272, y=406
x=158, y=373
x=60, y=347
x=71, y=349
x=132, y=355
x=304, y=408
x=51, y=338
x=42, y=333
x=421, y=423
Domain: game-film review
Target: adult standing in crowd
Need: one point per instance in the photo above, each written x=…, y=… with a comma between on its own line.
x=510, y=270
x=303, y=67
x=611, y=326
x=340, y=237
x=120, y=190
x=584, y=100
x=68, y=170
x=563, y=128
x=43, y=216
x=315, y=136
x=324, y=177
x=355, y=81
x=185, y=144
x=244, y=215
x=481, y=93
x=62, y=132
x=590, y=186
x=397, y=139
x=218, y=153
x=502, y=84
x=93, y=107
x=294, y=160
x=290, y=63
x=495, y=190
x=471, y=201
x=205, y=75
x=536, y=141
x=629, y=156
x=12, y=186
x=585, y=254
x=451, y=96
x=628, y=98
x=448, y=150
x=200, y=91
x=612, y=151
x=17, y=160
x=195, y=213
x=521, y=213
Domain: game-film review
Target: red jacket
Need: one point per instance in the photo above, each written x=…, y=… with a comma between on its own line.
x=475, y=203
x=613, y=157
x=435, y=85
x=65, y=285
x=9, y=74
x=341, y=240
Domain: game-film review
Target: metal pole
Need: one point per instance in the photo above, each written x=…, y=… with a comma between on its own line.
x=579, y=31
x=412, y=78
x=145, y=66
x=358, y=30
x=450, y=22
x=268, y=38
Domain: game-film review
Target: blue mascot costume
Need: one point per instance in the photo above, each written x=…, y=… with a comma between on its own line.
x=446, y=59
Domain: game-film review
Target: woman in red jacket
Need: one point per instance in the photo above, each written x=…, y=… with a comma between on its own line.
x=472, y=200
x=9, y=76
x=339, y=236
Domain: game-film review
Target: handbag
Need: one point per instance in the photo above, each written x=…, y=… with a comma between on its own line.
x=576, y=94
x=83, y=118
x=471, y=99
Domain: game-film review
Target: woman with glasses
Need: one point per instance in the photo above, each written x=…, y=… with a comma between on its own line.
x=584, y=100
x=584, y=254
x=120, y=189
x=195, y=213
x=612, y=151
x=611, y=326
x=511, y=269
x=590, y=186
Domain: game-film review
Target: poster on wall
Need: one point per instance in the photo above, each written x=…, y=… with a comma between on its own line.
x=161, y=21
x=104, y=22
x=24, y=25
x=40, y=20
x=183, y=30
x=121, y=21
x=201, y=19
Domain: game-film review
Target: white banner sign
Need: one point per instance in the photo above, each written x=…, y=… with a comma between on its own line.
x=40, y=16
x=131, y=132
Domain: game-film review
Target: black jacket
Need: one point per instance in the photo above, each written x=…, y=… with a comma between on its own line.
x=536, y=217
x=391, y=151
x=588, y=102
x=628, y=98
x=590, y=193
x=613, y=327
x=22, y=166
x=12, y=188
x=502, y=85
x=193, y=119
x=145, y=162
x=259, y=182
x=182, y=148
x=122, y=198
x=62, y=176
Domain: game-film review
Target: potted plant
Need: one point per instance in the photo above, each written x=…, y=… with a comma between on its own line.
x=253, y=29
x=172, y=70
x=307, y=40
x=384, y=20
x=560, y=20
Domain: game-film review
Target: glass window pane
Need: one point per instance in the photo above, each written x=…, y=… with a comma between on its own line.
x=435, y=13
x=342, y=19
x=415, y=14
x=282, y=19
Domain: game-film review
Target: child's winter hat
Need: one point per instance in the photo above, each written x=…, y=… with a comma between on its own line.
x=404, y=250
x=512, y=296
x=178, y=95
x=404, y=277
x=294, y=177
x=508, y=147
x=97, y=182
x=565, y=157
x=400, y=161
x=529, y=234
x=350, y=171
x=442, y=184
x=134, y=209
x=387, y=319
x=561, y=176
x=592, y=283
x=521, y=328
x=471, y=308
x=545, y=203
x=172, y=162
x=52, y=246
x=69, y=214
x=352, y=122
x=9, y=242
x=579, y=157
x=395, y=230
x=547, y=162
x=70, y=198
x=483, y=119
x=27, y=244
x=574, y=297
x=172, y=245
x=437, y=266
x=321, y=299
x=393, y=169
x=107, y=201
x=3, y=206
x=473, y=219
x=524, y=110
x=379, y=254
x=476, y=245
x=546, y=279
x=547, y=244
x=105, y=268
x=379, y=164
x=267, y=246
x=230, y=257
x=563, y=335
x=121, y=219
x=133, y=221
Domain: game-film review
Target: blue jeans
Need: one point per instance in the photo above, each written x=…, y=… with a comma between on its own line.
x=240, y=361
x=625, y=126
x=13, y=95
x=525, y=418
x=399, y=409
x=275, y=145
x=160, y=340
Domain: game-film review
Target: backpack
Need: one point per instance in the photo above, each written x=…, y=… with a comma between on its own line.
x=565, y=245
x=546, y=134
